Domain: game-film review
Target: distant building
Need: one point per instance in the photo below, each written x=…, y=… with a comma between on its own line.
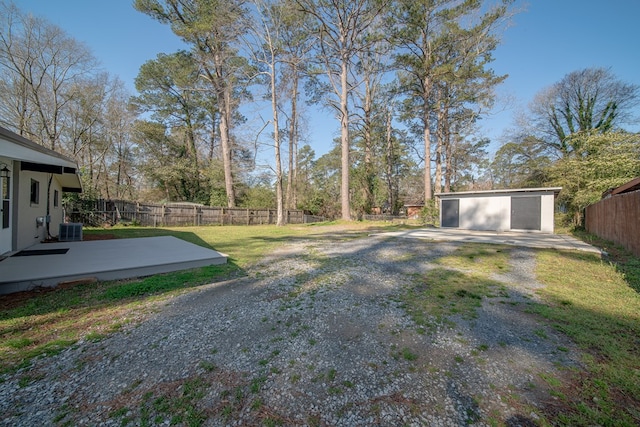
x=413, y=210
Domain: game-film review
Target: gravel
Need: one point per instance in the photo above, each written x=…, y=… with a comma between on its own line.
x=316, y=334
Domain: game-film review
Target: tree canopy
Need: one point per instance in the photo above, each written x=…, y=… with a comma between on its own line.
x=575, y=140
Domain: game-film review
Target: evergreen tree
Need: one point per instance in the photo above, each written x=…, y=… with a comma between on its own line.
x=213, y=29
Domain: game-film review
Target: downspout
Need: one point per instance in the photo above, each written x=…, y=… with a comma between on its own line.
x=47, y=219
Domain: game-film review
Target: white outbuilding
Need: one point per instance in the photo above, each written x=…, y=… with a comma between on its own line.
x=525, y=209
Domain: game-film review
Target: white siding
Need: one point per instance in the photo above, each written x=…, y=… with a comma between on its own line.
x=547, y=211
x=485, y=213
x=29, y=233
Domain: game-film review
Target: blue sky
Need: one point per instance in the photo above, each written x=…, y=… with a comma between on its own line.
x=546, y=41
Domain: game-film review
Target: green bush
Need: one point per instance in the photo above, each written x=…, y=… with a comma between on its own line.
x=430, y=213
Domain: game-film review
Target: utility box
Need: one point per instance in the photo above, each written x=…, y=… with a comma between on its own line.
x=70, y=232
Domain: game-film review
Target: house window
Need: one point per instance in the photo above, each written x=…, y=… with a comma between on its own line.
x=35, y=192
x=55, y=198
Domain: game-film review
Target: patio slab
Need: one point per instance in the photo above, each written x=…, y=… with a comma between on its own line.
x=530, y=240
x=102, y=260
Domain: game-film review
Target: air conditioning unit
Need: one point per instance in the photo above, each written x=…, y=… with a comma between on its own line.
x=70, y=232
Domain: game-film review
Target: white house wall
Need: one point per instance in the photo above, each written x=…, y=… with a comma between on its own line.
x=29, y=232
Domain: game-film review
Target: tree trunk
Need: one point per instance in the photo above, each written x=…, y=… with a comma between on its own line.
x=449, y=169
x=369, y=174
x=225, y=142
x=391, y=199
x=448, y=149
x=427, y=150
x=344, y=132
x=280, y=221
x=212, y=136
x=437, y=182
x=292, y=199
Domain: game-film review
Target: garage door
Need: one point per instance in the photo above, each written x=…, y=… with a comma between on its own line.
x=450, y=213
x=525, y=213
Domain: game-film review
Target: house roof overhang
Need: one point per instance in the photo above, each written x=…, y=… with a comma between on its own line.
x=37, y=158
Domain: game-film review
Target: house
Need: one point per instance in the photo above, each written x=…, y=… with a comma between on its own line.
x=32, y=180
x=414, y=210
x=527, y=209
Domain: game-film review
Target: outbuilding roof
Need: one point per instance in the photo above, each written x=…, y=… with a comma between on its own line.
x=556, y=191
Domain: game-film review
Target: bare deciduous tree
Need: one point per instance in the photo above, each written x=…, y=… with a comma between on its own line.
x=39, y=63
x=588, y=101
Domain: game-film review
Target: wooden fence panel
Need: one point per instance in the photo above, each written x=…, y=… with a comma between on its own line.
x=156, y=215
x=617, y=219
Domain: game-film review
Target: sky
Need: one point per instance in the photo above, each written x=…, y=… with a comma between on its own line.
x=545, y=41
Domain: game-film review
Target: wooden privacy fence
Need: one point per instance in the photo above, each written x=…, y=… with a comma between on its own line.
x=617, y=218
x=176, y=214
x=384, y=217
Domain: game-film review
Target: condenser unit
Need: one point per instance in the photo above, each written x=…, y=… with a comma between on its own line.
x=70, y=232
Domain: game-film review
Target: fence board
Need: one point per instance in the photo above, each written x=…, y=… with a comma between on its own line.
x=616, y=219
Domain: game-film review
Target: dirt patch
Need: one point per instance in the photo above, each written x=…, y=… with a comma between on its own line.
x=17, y=299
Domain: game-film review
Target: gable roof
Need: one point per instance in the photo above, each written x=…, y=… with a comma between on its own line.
x=36, y=157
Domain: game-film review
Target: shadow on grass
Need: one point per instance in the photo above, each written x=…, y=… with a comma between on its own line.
x=624, y=261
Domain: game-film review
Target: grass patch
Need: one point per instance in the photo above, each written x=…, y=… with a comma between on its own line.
x=51, y=321
x=175, y=407
x=168, y=282
x=620, y=258
x=456, y=288
x=592, y=302
x=442, y=293
x=408, y=355
x=479, y=258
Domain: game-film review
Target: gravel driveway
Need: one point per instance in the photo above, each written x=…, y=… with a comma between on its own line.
x=317, y=334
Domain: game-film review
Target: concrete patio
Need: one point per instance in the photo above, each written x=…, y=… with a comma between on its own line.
x=102, y=260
